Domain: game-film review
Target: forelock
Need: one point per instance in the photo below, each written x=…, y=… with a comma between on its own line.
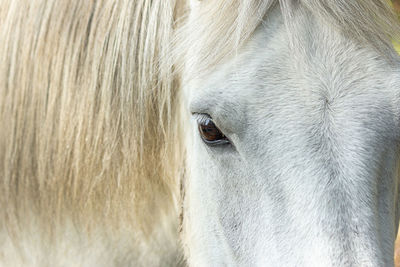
x=215, y=30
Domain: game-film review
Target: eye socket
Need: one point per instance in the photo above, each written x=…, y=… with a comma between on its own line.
x=210, y=133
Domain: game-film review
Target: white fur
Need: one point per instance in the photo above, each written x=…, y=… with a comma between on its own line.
x=312, y=178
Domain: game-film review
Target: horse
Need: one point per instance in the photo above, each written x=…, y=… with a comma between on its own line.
x=199, y=133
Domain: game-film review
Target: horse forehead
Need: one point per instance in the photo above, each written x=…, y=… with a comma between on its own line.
x=327, y=66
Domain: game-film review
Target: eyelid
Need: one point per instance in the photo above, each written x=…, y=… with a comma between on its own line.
x=201, y=117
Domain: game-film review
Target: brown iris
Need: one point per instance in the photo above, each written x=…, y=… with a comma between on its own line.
x=210, y=133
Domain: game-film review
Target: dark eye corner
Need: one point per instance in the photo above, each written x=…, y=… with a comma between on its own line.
x=209, y=132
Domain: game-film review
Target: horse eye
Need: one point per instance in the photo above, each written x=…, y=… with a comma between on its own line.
x=210, y=133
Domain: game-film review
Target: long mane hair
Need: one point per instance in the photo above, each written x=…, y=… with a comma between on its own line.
x=89, y=135
x=91, y=130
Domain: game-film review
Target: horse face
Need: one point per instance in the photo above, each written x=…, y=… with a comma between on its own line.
x=293, y=153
